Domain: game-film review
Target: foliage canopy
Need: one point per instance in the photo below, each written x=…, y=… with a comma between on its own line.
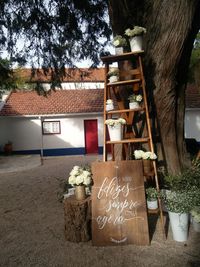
x=56, y=32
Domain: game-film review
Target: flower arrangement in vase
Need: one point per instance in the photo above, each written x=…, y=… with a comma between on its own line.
x=147, y=158
x=181, y=196
x=119, y=42
x=135, y=37
x=80, y=177
x=115, y=128
x=134, y=101
x=113, y=75
x=109, y=104
x=152, y=197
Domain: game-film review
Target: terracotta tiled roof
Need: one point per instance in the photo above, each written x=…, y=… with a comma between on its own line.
x=192, y=96
x=72, y=75
x=58, y=102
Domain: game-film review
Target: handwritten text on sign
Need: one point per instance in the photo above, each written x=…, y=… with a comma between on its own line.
x=126, y=209
x=118, y=203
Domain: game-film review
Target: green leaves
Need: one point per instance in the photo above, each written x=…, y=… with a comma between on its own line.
x=55, y=32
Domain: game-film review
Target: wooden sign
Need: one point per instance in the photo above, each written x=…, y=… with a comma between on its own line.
x=119, y=213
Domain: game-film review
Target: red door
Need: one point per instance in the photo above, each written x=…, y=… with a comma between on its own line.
x=91, y=136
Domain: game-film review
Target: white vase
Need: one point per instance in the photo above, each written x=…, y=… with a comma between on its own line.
x=115, y=132
x=113, y=79
x=179, y=225
x=119, y=50
x=152, y=204
x=134, y=105
x=136, y=43
x=109, y=106
x=196, y=225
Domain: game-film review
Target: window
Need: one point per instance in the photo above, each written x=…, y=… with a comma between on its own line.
x=51, y=127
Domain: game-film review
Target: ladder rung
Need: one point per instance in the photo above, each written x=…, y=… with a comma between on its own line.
x=124, y=110
x=133, y=140
x=156, y=211
x=124, y=82
x=124, y=56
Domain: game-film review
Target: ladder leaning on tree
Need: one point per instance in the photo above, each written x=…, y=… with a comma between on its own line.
x=137, y=132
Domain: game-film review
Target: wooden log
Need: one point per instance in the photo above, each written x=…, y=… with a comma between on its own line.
x=77, y=219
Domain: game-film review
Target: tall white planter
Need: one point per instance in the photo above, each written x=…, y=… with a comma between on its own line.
x=179, y=225
x=115, y=132
x=136, y=43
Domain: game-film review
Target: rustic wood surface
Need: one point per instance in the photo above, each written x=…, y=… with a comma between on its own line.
x=119, y=213
x=77, y=219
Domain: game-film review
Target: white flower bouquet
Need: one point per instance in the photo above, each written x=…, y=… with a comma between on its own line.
x=80, y=176
x=135, y=98
x=114, y=122
x=140, y=154
x=119, y=41
x=137, y=30
x=113, y=72
x=109, y=101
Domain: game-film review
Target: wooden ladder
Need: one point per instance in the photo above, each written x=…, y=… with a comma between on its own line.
x=137, y=132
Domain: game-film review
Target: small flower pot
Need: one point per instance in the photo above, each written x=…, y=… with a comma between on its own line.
x=113, y=79
x=136, y=43
x=8, y=149
x=109, y=107
x=152, y=204
x=119, y=50
x=115, y=132
x=134, y=105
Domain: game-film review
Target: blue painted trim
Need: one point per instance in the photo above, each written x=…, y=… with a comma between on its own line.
x=57, y=151
x=26, y=152
x=64, y=151
x=100, y=150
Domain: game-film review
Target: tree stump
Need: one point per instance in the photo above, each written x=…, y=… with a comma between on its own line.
x=77, y=219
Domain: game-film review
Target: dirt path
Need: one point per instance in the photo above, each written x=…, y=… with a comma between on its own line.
x=32, y=227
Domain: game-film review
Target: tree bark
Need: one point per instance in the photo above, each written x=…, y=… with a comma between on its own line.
x=171, y=30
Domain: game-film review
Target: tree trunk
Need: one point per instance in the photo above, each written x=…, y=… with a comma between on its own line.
x=171, y=30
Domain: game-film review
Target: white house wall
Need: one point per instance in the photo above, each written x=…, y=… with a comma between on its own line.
x=78, y=85
x=25, y=134
x=192, y=124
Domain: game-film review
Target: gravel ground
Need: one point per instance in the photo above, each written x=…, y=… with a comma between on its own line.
x=32, y=227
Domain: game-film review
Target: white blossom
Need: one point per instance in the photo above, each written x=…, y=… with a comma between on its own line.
x=109, y=101
x=138, y=154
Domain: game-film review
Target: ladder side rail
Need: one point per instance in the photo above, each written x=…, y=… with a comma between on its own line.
x=104, y=113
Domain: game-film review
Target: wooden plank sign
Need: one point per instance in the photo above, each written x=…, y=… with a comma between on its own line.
x=119, y=213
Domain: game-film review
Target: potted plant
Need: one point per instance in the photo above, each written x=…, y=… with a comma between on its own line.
x=134, y=101
x=113, y=75
x=195, y=213
x=178, y=205
x=115, y=128
x=109, y=104
x=80, y=177
x=147, y=158
x=135, y=37
x=181, y=196
x=119, y=42
x=152, y=198
x=8, y=148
